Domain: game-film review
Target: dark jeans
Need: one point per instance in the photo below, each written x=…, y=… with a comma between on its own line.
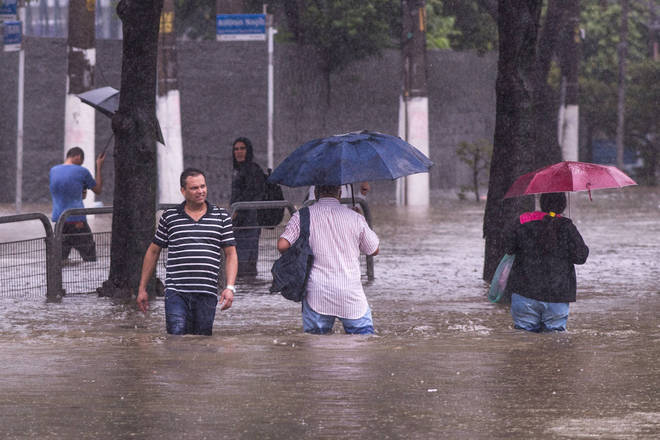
x=247, y=249
x=189, y=313
x=78, y=235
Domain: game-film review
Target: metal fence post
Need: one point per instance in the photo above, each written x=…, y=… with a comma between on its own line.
x=54, y=290
x=367, y=216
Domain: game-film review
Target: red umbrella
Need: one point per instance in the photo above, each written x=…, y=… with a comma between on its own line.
x=569, y=176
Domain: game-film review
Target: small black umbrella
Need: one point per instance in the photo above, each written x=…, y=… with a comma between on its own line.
x=106, y=100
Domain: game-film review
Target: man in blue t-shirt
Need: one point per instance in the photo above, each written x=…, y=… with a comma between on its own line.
x=69, y=183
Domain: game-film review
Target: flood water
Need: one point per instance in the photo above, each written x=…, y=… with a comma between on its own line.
x=445, y=363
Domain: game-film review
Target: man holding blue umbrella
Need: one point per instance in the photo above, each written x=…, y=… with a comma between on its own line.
x=337, y=236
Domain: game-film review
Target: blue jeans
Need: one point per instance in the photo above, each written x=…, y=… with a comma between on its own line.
x=537, y=316
x=321, y=324
x=189, y=313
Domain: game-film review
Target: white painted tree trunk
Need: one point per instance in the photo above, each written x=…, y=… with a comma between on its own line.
x=568, y=133
x=401, y=183
x=79, y=125
x=170, y=155
x=414, y=112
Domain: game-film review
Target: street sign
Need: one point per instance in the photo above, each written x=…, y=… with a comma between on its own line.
x=8, y=9
x=12, y=36
x=240, y=27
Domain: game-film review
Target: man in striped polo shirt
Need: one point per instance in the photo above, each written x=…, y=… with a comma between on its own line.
x=337, y=235
x=194, y=234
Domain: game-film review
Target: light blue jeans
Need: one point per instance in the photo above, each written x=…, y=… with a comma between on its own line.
x=538, y=316
x=321, y=324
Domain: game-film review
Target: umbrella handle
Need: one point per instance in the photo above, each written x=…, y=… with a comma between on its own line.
x=107, y=143
x=589, y=191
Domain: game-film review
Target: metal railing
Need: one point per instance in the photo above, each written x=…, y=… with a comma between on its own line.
x=75, y=274
x=30, y=266
x=267, y=248
x=24, y=264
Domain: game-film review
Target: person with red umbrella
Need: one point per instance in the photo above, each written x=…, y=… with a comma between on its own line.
x=542, y=282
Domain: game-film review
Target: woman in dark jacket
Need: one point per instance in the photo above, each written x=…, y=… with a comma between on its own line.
x=542, y=280
x=248, y=184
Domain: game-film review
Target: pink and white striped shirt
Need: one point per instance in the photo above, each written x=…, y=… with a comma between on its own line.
x=337, y=235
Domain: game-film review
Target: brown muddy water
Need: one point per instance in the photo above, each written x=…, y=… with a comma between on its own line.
x=445, y=363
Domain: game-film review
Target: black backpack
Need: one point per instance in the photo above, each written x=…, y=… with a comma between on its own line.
x=291, y=270
x=271, y=217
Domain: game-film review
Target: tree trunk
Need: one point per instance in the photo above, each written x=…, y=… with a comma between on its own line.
x=134, y=126
x=525, y=129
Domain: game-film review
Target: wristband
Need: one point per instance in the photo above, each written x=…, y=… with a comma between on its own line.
x=231, y=287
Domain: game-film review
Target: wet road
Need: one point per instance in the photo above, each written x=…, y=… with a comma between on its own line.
x=445, y=364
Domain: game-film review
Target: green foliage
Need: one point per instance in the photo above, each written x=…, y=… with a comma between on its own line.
x=195, y=19
x=473, y=27
x=345, y=31
x=642, y=116
x=476, y=155
x=601, y=21
x=439, y=28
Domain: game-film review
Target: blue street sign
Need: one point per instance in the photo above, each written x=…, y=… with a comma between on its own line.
x=8, y=9
x=13, y=36
x=240, y=27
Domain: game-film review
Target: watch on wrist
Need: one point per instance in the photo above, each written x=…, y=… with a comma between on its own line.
x=231, y=287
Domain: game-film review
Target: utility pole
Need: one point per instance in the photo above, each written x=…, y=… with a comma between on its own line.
x=413, y=105
x=79, y=118
x=623, y=55
x=168, y=110
x=270, y=35
x=569, y=52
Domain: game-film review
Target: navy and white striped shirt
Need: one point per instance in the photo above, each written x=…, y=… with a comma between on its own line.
x=194, y=258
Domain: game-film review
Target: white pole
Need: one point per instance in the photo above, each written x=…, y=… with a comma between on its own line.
x=403, y=134
x=271, y=34
x=418, y=185
x=19, y=117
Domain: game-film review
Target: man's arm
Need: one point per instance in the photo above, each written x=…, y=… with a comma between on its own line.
x=231, y=268
x=282, y=245
x=99, y=177
x=148, y=266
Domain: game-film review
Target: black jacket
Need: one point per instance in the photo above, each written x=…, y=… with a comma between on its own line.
x=248, y=184
x=545, y=275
